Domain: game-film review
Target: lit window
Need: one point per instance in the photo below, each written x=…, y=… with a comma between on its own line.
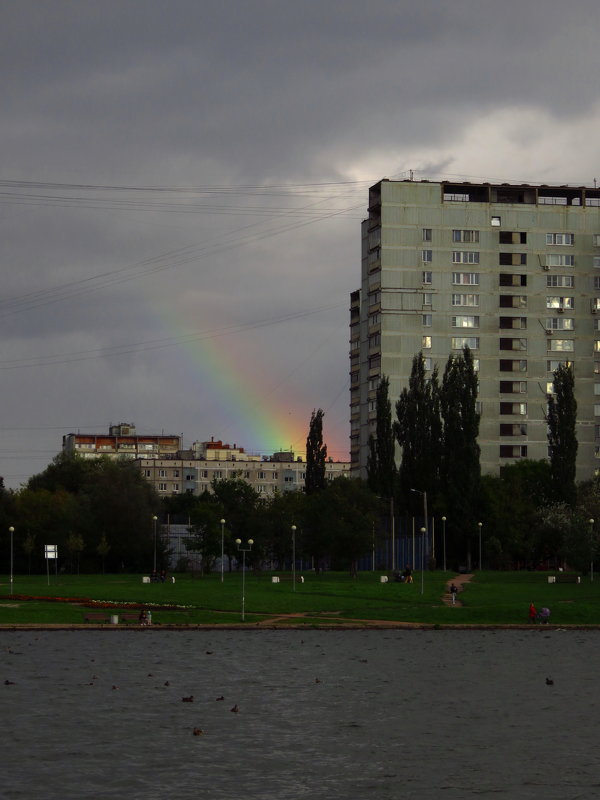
x=560, y=302
x=459, y=342
x=426, y=342
x=496, y=222
x=465, y=321
x=562, y=345
x=465, y=299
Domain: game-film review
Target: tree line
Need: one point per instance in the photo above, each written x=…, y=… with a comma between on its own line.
x=532, y=512
x=103, y=514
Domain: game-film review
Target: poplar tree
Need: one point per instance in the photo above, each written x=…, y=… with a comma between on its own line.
x=460, y=463
x=418, y=431
x=381, y=463
x=562, y=437
x=316, y=454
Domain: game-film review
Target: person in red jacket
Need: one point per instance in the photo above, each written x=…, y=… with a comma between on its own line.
x=532, y=613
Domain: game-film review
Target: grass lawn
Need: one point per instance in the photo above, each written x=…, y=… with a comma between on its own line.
x=490, y=598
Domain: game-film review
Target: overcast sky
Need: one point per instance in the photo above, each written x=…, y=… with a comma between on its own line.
x=182, y=184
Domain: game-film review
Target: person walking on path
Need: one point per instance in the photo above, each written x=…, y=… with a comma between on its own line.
x=532, y=613
x=453, y=592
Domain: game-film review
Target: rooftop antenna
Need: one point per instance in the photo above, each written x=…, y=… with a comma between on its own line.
x=411, y=174
x=594, y=183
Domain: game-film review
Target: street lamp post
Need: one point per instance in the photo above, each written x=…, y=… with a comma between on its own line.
x=243, y=551
x=480, y=525
x=591, y=521
x=444, y=540
x=293, y=558
x=222, y=547
x=425, y=522
x=11, y=531
x=423, y=532
x=154, y=518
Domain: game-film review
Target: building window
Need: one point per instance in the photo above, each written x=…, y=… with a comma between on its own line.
x=513, y=301
x=513, y=237
x=513, y=451
x=460, y=342
x=596, y=282
x=427, y=276
x=513, y=344
x=374, y=340
x=510, y=279
x=427, y=320
x=513, y=387
x=561, y=345
x=465, y=299
x=465, y=257
x=508, y=365
x=374, y=319
x=426, y=234
x=513, y=323
x=596, y=261
x=162, y=473
x=597, y=410
x=465, y=321
x=564, y=281
x=427, y=363
x=162, y=487
x=427, y=256
x=217, y=474
x=512, y=259
x=374, y=298
x=554, y=365
x=560, y=238
x=560, y=302
x=560, y=323
x=375, y=362
x=510, y=429
x=469, y=237
x=559, y=260
x=519, y=409
x=426, y=342
x=465, y=278
x=496, y=222
x=427, y=298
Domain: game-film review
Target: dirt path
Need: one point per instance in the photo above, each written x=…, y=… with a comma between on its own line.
x=458, y=581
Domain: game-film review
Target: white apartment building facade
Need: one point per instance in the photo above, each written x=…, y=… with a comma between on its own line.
x=512, y=271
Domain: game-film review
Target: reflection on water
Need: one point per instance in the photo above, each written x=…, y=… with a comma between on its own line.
x=344, y=714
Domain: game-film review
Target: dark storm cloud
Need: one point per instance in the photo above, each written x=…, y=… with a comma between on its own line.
x=143, y=93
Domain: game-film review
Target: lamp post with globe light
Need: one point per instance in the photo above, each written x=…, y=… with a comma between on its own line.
x=243, y=551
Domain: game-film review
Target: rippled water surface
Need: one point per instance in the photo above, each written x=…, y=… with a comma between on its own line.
x=352, y=714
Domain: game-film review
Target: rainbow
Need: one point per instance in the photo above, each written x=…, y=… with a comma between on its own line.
x=249, y=409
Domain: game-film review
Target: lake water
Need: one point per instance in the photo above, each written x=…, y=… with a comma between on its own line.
x=322, y=714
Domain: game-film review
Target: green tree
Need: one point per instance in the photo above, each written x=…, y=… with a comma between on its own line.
x=562, y=435
x=418, y=431
x=316, y=454
x=381, y=462
x=239, y=503
x=103, y=549
x=74, y=545
x=460, y=462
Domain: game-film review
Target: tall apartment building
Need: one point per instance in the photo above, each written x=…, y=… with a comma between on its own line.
x=512, y=271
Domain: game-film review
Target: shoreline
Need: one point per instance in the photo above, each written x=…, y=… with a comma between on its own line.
x=260, y=626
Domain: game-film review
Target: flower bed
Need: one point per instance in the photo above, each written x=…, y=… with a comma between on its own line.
x=88, y=603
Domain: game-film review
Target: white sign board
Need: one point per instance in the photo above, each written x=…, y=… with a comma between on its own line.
x=51, y=550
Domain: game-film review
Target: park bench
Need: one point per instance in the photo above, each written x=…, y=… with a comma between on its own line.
x=564, y=577
x=96, y=616
x=129, y=616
